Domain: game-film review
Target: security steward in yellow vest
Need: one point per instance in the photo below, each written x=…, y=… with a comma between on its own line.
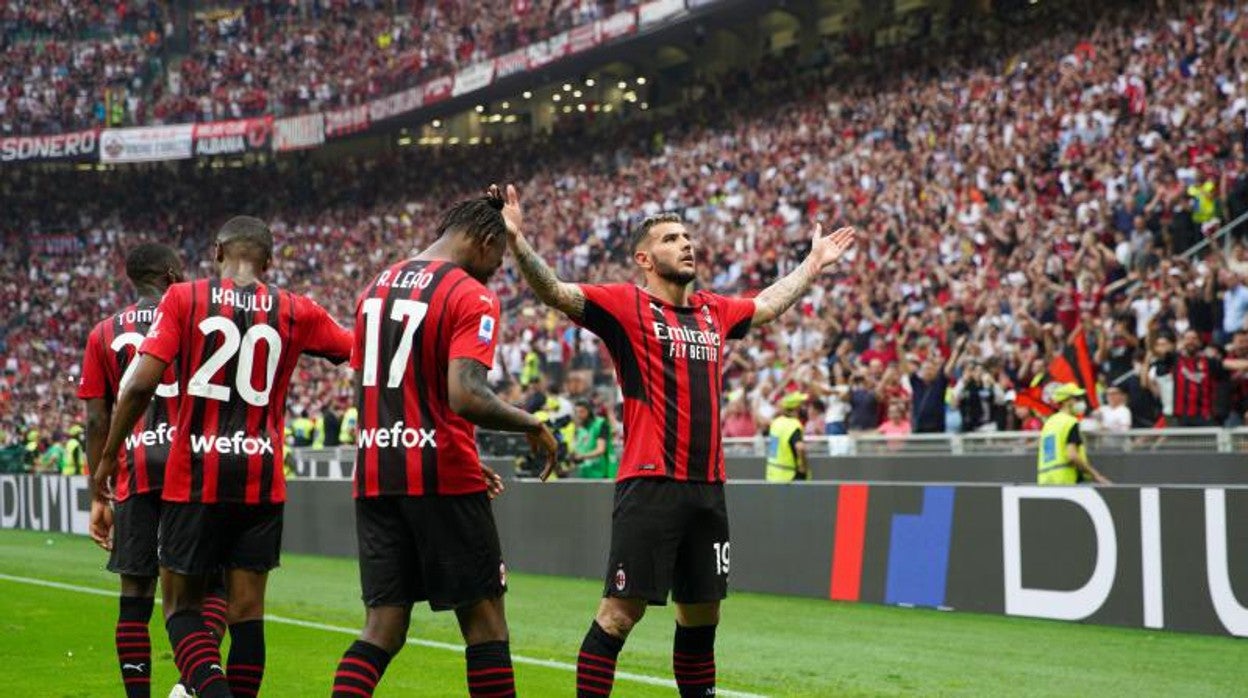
x=786, y=453
x=350, y=424
x=75, y=462
x=1062, y=459
x=303, y=428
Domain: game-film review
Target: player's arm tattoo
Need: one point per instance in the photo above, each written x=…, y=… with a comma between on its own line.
x=549, y=289
x=780, y=296
x=469, y=393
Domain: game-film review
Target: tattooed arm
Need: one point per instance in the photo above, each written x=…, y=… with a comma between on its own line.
x=548, y=288
x=471, y=398
x=781, y=295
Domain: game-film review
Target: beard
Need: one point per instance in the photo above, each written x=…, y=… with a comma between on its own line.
x=674, y=274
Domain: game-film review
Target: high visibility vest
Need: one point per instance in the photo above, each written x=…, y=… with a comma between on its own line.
x=586, y=441
x=350, y=423
x=781, y=458
x=1053, y=467
x=318, y=433
x=75, y=458
x=1206, y=207
x=303, y=431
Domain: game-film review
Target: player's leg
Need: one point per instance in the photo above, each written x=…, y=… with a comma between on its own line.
x=190, y=548
x=390, y=582
x=488, y=652
x=700, y=584
x=645, y=531
x=256, y=551
x=133, y=556
x=215, y=605
x=462, y=566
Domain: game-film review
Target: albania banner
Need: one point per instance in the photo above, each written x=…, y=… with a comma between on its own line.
x=233, y=137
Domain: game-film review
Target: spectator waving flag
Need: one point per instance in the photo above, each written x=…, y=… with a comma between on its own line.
x=1073, y=365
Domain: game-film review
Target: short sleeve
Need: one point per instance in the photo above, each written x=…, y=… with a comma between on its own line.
x=324, y=337
x=605, y=306
x=1075, y=437
x=93, y=384
x=474, y=327
x=164, y=337
x=736, y=314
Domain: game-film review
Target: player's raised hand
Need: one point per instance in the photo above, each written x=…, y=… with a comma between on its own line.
x=493, y=482
x=543, y=442
x=102, y=524
x=513, y=216
x=826, y=249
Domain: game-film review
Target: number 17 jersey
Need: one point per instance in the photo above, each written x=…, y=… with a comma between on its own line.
x=410, y=323
x=236, y=347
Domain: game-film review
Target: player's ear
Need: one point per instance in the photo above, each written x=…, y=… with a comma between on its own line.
x=642, y=258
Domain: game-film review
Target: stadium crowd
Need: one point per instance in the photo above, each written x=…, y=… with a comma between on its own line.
x=1005, y=198
x=72, y=65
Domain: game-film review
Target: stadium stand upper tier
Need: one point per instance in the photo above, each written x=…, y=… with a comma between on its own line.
x=1002, y=195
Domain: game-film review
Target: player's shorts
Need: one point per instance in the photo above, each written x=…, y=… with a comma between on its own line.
x=442, y=549
x=197, y=539
x=668, y=536
x=136, y=521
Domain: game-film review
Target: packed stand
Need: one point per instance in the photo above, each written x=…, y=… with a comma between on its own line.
x=1003, y=199
x=254, y=58
x=66, y=66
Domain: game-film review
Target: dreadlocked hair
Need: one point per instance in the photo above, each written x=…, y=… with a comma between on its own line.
x=480, y=219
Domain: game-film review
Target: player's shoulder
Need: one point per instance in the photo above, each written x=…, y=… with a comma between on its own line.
x=611, y=293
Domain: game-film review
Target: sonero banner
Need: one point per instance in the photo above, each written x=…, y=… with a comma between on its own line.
x=79, y=145
x=147, y=144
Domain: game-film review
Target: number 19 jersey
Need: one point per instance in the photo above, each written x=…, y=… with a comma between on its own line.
x=410, y=323
x=236, y=347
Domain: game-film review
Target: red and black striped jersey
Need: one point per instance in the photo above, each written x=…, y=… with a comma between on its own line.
x=236, y=347
x=112, y=347
x=410, y=323
x=668, y=361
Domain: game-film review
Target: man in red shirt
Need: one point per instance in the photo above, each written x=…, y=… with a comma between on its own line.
x=236, y=341
x=112, y=348
x=669, y=530
x=426, y=330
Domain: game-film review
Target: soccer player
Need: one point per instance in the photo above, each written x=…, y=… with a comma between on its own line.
x=425, y=336
x=128, y=529
x=236, y=340
x=669, y=529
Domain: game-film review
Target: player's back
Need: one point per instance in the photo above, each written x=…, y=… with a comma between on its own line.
x=411, y=321
x=110, y=356
x=238, y=346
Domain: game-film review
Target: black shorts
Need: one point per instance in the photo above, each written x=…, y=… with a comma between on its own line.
x=135, y=524
x=668, y=536
x=440, y=549
x=197, y=539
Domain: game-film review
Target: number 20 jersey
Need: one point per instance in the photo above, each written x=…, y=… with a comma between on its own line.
x=236, y=347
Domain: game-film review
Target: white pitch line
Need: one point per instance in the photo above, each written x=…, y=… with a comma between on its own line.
x=518, y=659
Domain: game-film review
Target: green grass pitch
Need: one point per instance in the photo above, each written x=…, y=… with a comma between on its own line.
x=57, y=641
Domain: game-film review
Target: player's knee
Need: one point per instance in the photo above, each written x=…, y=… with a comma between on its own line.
x=618, y=619
x=387, y=629
x=483, y=622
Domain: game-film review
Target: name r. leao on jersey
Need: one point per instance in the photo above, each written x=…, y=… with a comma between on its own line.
x=239, y=443
x=397, y=435
x=243, y=300
x=685, y=343
x=404, y=279
x=162, y=434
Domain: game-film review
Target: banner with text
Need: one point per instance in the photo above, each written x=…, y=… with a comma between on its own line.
x=79, y=145
x=147, y=144
x=233, y=137
x=298, y=132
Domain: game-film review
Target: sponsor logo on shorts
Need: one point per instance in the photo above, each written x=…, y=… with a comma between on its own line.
x=239, y=443
x=502, y=573
x=621, y=579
